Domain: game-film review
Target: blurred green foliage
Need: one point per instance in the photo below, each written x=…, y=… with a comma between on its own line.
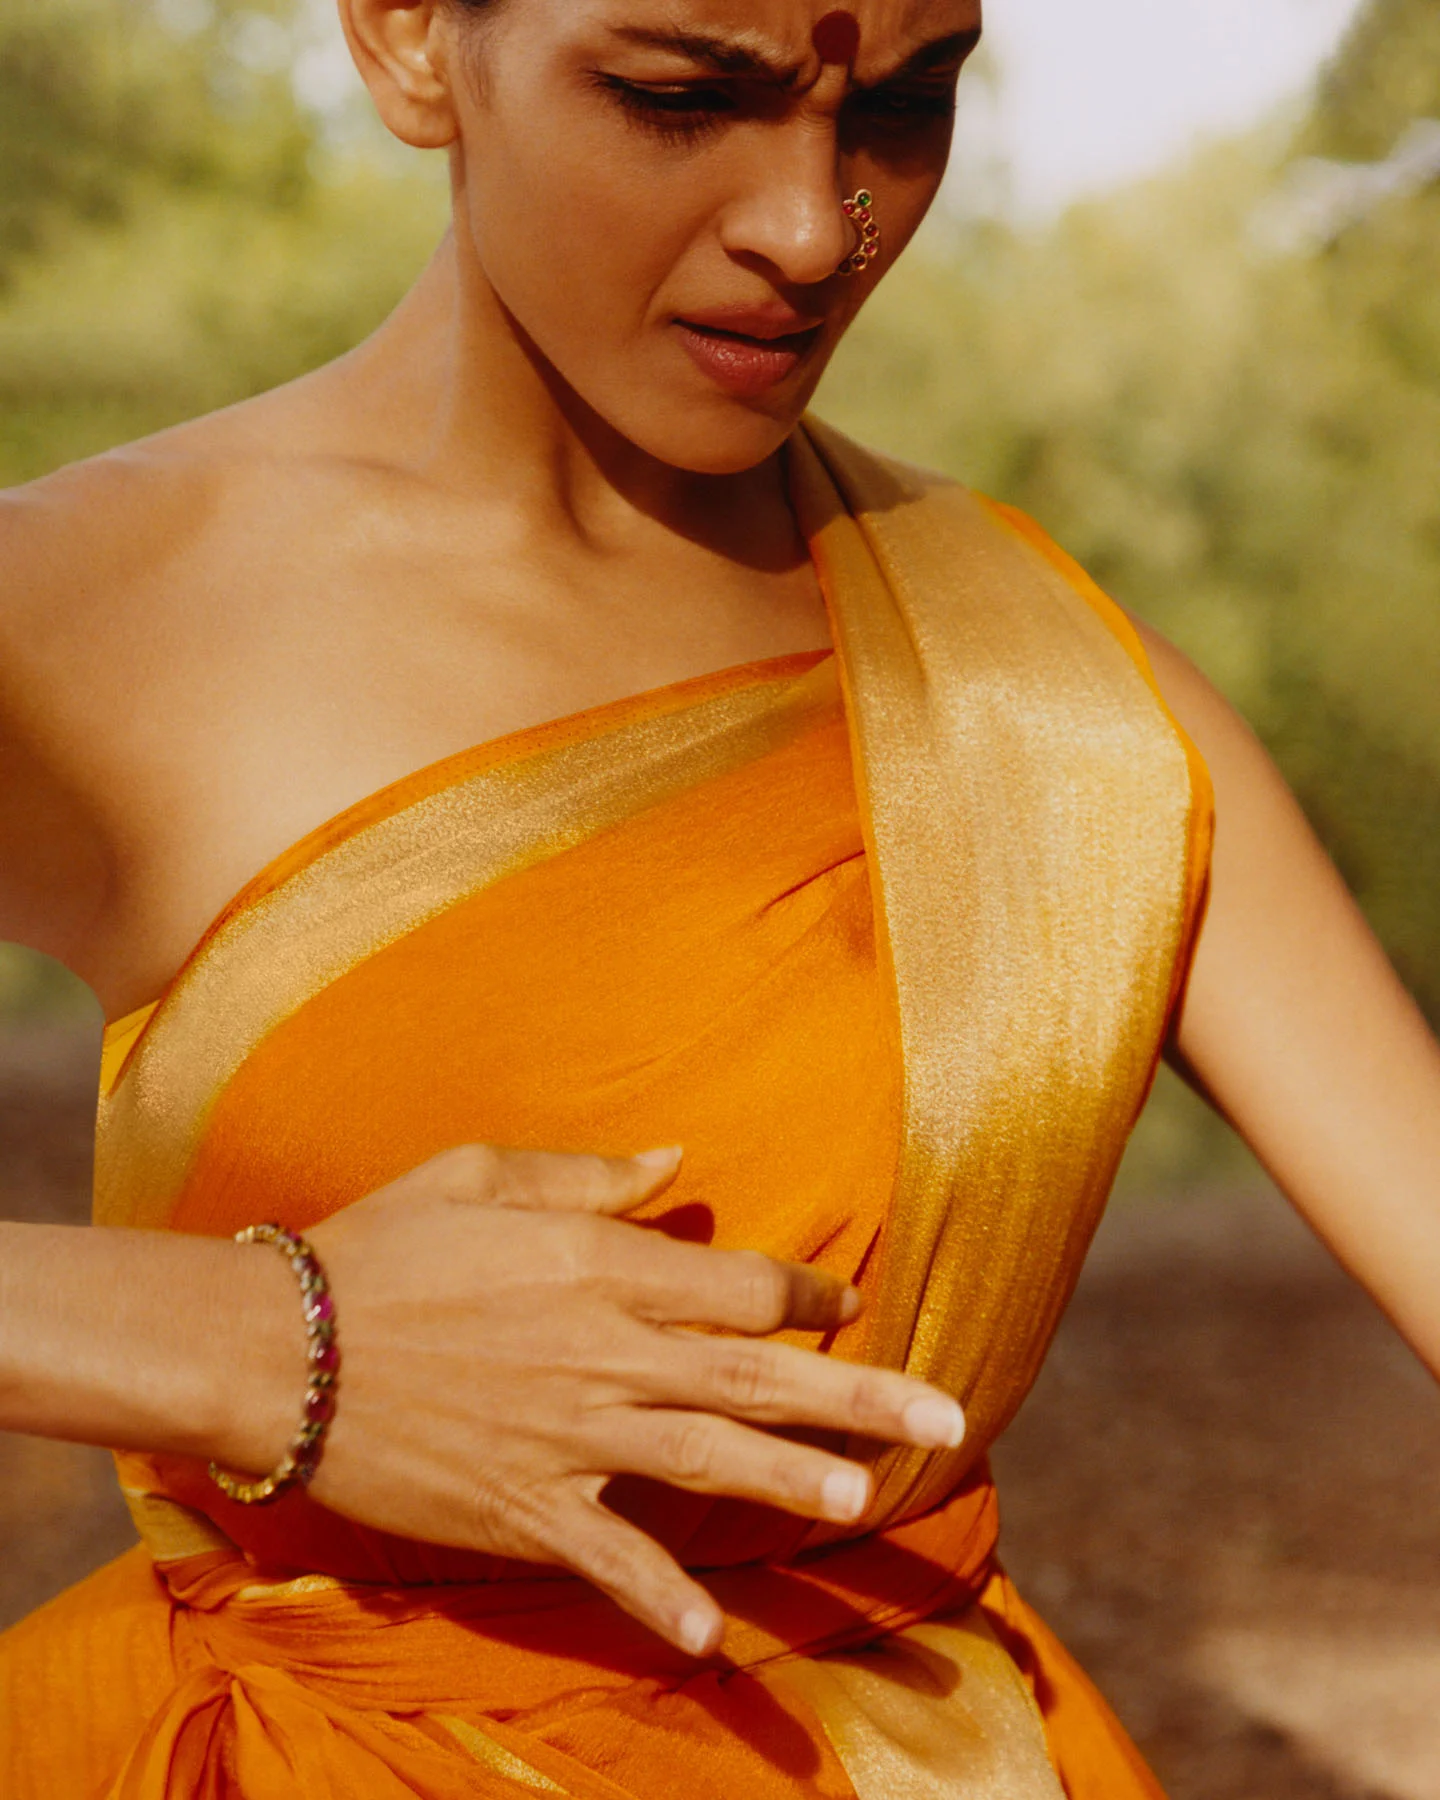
x=102, y=110
x=37, y=987
x=1388, y=75
x=176, y=230
x=1240, y=444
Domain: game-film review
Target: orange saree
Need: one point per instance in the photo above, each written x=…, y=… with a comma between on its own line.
x=889, y=940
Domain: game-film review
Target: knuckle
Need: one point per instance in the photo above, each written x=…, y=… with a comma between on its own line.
x=689, y=1451
x=794, y=1477
x=879, y=1397
x=599, y=1178
x=611, y=1557
x=581, y=1254
x=466, y=1172
x=746, y=1377
x=497, y=1495
x=764, y=1290
x=863, y=1401
x=600, y=1556
x=500, y=1513
x=588, y=1246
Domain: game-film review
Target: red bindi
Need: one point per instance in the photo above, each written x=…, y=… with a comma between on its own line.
x=836, y=38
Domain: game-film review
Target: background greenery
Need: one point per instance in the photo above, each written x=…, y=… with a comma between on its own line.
x=1241, y=443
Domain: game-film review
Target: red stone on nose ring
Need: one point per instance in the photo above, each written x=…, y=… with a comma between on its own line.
x=858, y=210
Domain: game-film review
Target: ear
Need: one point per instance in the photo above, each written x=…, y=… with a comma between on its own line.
x=402, y=50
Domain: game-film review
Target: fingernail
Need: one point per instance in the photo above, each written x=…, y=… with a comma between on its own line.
x=935, y=1423
x=850, y=1303
x=698, y=1631
x=659, y=1159
x=845, y=1493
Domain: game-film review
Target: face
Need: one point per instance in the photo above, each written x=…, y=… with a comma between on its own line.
x=654, y=188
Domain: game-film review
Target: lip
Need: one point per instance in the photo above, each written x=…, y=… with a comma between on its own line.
x=748, y=350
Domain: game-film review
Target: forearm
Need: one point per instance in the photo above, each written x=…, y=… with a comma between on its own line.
x=148, y=1340
x=1336, y=1087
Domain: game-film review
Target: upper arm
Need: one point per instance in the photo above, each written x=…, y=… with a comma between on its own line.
x=1298, y=1027
x=53, y=861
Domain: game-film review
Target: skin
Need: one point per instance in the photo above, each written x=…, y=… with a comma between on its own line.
x=526, y=473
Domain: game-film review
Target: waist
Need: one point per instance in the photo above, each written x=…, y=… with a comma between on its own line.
x=519, y=1640
x=179, y=1512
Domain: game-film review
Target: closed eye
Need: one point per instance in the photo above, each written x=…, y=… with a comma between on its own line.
x=903, y=103
x=673, y=110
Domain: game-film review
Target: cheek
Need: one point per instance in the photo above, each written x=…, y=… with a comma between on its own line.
x=570, y=236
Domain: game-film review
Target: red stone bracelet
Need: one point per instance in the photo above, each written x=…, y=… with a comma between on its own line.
x=322, y=1353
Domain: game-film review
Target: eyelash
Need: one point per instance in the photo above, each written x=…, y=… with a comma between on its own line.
x=905, y=106
x=683, y=114
x=678, y=115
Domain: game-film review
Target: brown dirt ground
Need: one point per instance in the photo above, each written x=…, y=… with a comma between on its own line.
x=1224, y=1492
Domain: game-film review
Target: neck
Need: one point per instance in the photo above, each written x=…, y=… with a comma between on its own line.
x=460, y=397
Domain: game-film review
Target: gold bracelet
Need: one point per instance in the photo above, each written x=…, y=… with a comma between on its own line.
x=322, y=1355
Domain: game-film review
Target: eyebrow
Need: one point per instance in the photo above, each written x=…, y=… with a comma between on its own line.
x=726, y=56
x=731, y=56
x=955, y=48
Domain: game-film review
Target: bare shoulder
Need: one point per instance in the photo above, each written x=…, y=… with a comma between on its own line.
x=1244, y=775
x=1276, y=901
x=83, y=551
x=71, y=545
x=85, y=554
x=75, y=542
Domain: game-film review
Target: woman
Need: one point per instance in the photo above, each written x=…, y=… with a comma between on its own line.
x=823, y=823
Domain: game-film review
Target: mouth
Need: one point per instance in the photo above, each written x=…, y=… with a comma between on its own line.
x=747, y=363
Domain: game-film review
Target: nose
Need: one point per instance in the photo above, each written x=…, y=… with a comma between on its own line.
x=790, y=214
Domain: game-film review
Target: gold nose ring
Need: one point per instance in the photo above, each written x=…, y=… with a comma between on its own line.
x=859, y=210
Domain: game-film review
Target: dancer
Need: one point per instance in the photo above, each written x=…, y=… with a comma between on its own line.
x=649, y=1127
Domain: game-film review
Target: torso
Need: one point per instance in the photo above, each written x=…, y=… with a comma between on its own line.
x=222, y=637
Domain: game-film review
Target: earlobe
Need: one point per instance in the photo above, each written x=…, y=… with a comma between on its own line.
x=400, y=47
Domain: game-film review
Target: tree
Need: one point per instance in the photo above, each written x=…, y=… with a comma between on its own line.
x=1240, y=446
x=176, y=230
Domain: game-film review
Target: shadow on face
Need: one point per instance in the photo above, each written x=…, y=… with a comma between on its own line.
x=649, y=194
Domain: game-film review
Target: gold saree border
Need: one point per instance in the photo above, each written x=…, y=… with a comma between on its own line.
x=1031, y=967
x=938, y=1709
x=169, y=1530
x=267, y=956
x=1027, y=806
x=495, y=1757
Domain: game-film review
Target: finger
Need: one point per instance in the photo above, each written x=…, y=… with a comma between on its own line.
x=780, y=1384
x=641, y=1578
x=709, y=1455
x=551, y=1181
x=673, y=1283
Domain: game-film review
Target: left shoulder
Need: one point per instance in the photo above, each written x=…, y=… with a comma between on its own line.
x=1233, y=753
x=1202, y=712
x=1256, y=819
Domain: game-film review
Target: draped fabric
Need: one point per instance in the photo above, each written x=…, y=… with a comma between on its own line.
x=888, y=939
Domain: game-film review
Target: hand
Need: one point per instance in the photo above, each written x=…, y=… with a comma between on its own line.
x=510, y=1343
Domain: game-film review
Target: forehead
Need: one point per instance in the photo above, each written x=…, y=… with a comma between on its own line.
x=782, y=31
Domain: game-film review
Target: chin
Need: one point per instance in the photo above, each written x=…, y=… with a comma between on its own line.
x=712, y=436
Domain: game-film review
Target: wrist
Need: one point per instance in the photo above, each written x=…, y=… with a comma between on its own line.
x=306, y=1443
x=259, y=1380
